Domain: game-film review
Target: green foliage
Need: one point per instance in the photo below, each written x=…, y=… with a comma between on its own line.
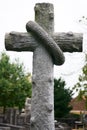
x=81, y=85
x=62, y=98
x=14, y=83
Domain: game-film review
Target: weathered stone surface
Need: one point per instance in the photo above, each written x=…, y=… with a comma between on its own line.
x=5, y=128
x=42, y=104
x=44, y=15
x=46, y=41
x=28, y=106
x=42, y=80
x=16, y=41
x=69, y=42
x=10, y=115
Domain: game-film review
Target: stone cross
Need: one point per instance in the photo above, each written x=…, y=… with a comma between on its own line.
x=44, y=44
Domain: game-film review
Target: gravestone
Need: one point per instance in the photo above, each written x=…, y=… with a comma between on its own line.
x=44, y=44
x=5, y=128
x=10, y=115
x=28, y=106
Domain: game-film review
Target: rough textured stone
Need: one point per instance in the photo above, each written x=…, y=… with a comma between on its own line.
x=44, y=15
x=47, y=41
x=42, y=104
x=42, y=87
x=16, y=41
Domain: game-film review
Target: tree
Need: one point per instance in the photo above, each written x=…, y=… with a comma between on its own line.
x=14, y=83
x=81, y=86
x=62, y=98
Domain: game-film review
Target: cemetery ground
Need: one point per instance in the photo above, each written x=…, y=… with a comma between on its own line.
x=13, y=120
x=16, y=121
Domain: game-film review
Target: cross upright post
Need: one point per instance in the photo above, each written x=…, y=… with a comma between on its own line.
x=42, y=105
x=46, y=53
x=42, y=113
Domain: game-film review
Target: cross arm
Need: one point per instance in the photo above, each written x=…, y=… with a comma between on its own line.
x=68, y=42
x=17, y=41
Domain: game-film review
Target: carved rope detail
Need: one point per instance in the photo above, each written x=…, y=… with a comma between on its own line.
x=47, y=41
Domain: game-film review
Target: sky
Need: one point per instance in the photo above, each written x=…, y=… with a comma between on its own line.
x=14, y=14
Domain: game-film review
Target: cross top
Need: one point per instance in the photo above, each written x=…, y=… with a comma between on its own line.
x=44, y=15
x=45, y=45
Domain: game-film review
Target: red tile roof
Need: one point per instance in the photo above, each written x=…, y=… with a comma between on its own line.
x=78, y=104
